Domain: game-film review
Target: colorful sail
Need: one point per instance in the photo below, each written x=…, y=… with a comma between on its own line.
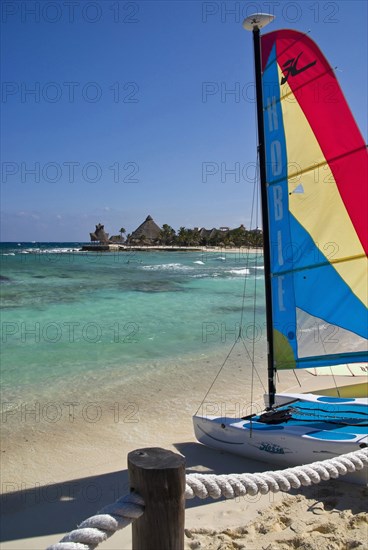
x=317, y=174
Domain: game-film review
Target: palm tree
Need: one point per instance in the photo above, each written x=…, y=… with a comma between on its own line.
x=167, y=234
x=182, y=236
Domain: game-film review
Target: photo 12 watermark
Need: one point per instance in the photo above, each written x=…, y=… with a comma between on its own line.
x=90, y=491
x=53, y=412
x=69, y=171
x=214, y=172
x=235, y=171
x=316, y=333
x=70, y=12
x=228, y=92
x=235, y=92
x=69, y=92
x=231, y=12
x=69, y=332
x=90, y=253
x=225, y=332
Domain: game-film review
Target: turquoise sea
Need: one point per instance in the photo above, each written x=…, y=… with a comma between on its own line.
x=68, y=315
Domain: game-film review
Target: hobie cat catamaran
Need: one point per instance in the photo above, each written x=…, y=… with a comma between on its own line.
x=314, y=181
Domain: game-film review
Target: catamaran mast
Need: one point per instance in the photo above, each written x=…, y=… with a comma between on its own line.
x=255, y=23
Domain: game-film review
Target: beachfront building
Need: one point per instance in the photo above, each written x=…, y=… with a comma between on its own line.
x=148, y=233
x=99, y=234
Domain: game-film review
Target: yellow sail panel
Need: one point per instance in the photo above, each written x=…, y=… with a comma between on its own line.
x=316, y=163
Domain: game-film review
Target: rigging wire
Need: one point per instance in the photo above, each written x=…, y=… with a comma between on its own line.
x=334, y=381
x=256, y=200
x=296, y=376
x=219, y=372
x=250, y=353
x=254, y=218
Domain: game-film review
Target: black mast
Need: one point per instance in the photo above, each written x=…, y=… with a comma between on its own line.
x=254, y=23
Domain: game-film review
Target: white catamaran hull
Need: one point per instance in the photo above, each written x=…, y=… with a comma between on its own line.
x=285, y=444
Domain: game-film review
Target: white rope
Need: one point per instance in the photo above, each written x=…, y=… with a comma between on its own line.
x=235, y=485
x=113, y=517
x=96, y=529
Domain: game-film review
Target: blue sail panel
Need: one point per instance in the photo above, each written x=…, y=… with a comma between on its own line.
x=317, y=234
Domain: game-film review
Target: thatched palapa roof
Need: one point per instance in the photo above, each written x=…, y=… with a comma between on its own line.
x=149, y=230
x=99, y=234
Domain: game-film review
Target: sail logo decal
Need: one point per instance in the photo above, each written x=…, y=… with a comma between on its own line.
x=281, y=245
x=290, y=68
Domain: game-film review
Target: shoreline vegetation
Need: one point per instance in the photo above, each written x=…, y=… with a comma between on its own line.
x=151, y=234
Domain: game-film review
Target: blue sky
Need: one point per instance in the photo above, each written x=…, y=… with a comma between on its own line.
x=113, y=110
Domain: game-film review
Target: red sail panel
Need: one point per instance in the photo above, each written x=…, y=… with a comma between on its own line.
x=316, y=165
x=312, y=81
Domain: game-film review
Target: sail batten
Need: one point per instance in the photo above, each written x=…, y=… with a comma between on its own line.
x=330, y=360
x=317, y=266
x=316, y=164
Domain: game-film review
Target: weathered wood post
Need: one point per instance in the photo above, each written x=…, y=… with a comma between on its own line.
x=158, y=476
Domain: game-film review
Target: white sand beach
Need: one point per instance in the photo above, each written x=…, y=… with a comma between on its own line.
x=58, y=471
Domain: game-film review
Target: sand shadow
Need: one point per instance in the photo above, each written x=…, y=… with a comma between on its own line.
x=43, y=510
x=56, y=508
x=202, y=459
x=50, y=509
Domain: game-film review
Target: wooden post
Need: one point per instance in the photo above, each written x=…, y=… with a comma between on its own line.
x=159, y=477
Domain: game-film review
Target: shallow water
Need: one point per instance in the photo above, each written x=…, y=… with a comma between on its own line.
x=68, y=315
